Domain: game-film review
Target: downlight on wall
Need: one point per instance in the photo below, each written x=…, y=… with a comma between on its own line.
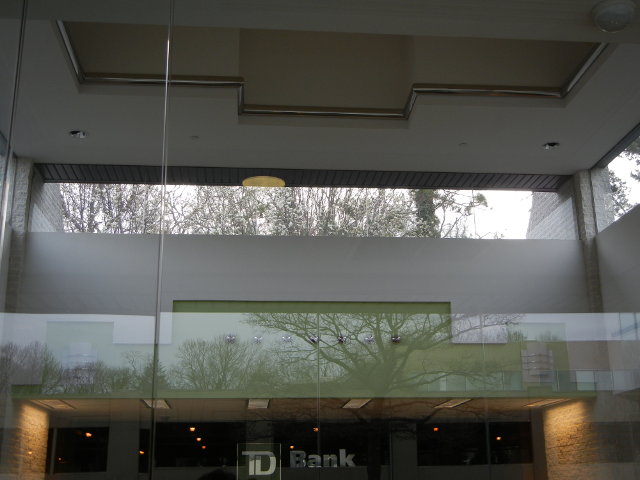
x=263, y=181
x=613, y=15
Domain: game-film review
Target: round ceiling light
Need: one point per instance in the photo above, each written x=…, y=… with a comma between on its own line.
x=613, y=15
x=263, y=181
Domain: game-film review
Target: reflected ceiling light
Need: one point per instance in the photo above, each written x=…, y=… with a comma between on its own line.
x=356, y=403
x=613, y=15
x=546, y=402
x=255, y=403
x=192, y=429
x=88, y=434
x=204, y=447
x=454, y=402
x=54, y=404
x=157, y=403
x=199, y=439
x=263, y=181
x=78, y=133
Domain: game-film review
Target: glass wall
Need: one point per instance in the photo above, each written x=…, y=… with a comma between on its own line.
x=74, y=374
x=131, y=350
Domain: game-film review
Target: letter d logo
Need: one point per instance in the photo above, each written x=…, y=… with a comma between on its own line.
x=260, y=461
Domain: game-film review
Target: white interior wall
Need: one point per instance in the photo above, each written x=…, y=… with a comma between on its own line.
x=115, y=274
x=619, y=257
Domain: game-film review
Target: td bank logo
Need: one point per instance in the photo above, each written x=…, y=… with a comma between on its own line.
x=259, y=461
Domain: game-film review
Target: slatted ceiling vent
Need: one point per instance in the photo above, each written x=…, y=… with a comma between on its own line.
x=77, y=173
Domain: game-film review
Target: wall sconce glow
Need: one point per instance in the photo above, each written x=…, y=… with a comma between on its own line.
x=263, y=181
x=454, y=402
x=255, y=403
x=54, y=404
x=29, y=452
x=157, y=403
x=192, y=429
x=88, y=434
x=199, y=439
x=546, y=402
x=356, y=403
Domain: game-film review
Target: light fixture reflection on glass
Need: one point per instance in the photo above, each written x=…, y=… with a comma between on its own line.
x=199, y=439
x=192, y=429
x=498, y=438
x=454, y=402
x=545, y=402
x=263, y=181
x=88, y=434
x=356, y=403
x=141, y=452
x=204, y=447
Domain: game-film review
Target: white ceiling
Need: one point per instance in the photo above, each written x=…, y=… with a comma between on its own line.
x=444, y=133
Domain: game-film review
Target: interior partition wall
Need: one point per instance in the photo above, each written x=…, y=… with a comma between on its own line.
x=166, y=356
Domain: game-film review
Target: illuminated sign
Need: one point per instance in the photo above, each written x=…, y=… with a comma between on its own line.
x=299, y=459
x=258, y=461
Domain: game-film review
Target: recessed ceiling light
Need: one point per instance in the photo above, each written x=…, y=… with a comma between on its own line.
x=255, y=403
x=613, y=15
x=156, y=403
x=263, y=181
x=546, y=402
x=454, y=402
x=550, y=145
x=356, y=403
x=78, y=134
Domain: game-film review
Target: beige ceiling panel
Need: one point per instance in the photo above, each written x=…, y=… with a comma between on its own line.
x=325, y=69
x=482, y=61
x=140, y=50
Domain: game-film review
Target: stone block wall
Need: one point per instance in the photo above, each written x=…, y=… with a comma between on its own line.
x=553, y=215
x=46, y=206
x=25, y=445
x=590, y=440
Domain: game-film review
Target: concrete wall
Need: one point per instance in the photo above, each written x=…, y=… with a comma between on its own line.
x=115, y=274
x=619, y=258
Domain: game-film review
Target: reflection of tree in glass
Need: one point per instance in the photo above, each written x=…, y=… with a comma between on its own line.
x=216, y=364
x=368, y=361
x=354, y=356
